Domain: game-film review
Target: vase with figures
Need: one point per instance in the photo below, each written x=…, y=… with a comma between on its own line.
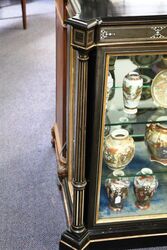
x=132, y=90
x=156, y=140
x=145, y=185
x=119, y=149
x=117, y=186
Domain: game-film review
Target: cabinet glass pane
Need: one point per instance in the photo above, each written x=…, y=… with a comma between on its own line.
x=133, y=179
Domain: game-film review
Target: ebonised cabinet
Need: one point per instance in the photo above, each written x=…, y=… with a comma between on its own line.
x=115, y=192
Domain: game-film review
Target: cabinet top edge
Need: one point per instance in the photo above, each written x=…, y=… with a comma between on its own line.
x=89, y=13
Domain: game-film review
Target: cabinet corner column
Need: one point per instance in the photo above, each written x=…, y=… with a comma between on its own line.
x=79, y=181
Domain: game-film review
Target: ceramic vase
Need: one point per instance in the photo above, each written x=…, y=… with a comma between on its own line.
x=117, y=190
x=106, y=130
x=109, y=88
x=146, y=91
x=119, y=149
x=145, y=185
x=156, y=140
x=132, y=90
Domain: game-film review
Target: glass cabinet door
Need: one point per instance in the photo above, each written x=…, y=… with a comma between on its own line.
x=133, y=171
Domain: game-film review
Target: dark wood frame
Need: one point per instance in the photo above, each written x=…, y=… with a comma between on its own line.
x=94, y=127
x=83, y=232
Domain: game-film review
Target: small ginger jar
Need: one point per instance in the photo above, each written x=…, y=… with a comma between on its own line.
x=117, y=190
x=145, y=185
x=132, y=90
x=119, y=149
x=156, y=139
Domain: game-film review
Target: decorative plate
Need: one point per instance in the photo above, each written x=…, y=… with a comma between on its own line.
x=145, y=60
x=159, y=89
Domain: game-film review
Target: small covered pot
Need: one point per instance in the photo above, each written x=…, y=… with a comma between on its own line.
x=156, y=140
x=119, y=149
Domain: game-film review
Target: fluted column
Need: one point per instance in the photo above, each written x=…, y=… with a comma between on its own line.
x=79, y=181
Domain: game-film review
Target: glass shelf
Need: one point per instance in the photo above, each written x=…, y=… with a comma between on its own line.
x=142, y=159
x=147, y=112
x=135, y=124
x=120, y=87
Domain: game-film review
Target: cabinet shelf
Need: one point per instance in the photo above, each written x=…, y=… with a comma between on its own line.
x=144, y=116
x=120, y=87
x=141, y=160
x=140, y=122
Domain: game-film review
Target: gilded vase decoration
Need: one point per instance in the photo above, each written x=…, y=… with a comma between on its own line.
x=159, y=89
x=119, y=149
x=117, y=190
x=156, y=139
x=145, y=185
x=132, y=90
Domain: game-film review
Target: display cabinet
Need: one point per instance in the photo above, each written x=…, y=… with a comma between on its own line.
x=115, y=192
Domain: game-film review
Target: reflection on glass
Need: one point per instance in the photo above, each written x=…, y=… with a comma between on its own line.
x=133, y=182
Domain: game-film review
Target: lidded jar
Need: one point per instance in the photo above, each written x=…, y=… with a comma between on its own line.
x=132, y=90
x=145, y=185
x=156, y=139
x=117, y=189
x=119, y=149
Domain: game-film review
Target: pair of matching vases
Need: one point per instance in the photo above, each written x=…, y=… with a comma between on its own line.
x=117, y=187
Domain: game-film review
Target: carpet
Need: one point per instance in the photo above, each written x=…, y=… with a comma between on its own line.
x=31, y=210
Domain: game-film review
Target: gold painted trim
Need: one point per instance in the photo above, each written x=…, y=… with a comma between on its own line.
x=102, y=136
x=80, y=47
x=75, y=40
x=132, y=218
x=124, y=43
x=79, y=174
x=136, y=42
x=60, y=17
x=68, y=245
x=117, y=238
x=151, y=28
x=128, y=237
x=71, y=110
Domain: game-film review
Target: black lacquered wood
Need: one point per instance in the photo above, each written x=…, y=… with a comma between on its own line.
x=119, y=9
x=92, y=25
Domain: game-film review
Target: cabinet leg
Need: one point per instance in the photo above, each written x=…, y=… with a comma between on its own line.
x=53, y=137
x=23, y=7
